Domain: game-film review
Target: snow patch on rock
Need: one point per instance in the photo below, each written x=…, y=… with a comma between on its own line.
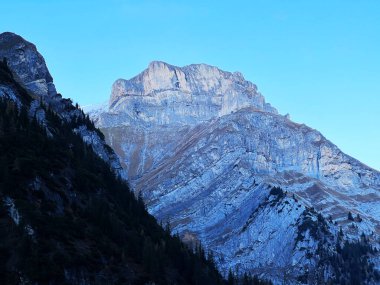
x=12, y=210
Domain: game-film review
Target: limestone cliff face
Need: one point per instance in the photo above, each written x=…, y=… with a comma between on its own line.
x=165, y=94
x=204, y=149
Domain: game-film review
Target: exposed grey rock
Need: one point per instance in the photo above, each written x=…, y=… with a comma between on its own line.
x=165, y=94
x=204, y=149
x=27, y=64
x=12, y=210
x=29, y=69
x=9, y=94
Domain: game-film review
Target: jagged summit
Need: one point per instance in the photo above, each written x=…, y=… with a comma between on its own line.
x=195, y=78
x=207, y=70
x=184, y=95
x=27, y=64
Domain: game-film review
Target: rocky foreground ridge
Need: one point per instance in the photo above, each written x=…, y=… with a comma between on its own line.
x=29, y=69
x=266, y=195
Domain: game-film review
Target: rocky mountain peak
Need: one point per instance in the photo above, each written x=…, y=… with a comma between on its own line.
x=29, y=69
x=205, y=151
x=196, y=78
x=165, y=93
x=27, y=64
x=157, y=65
x=163, y=76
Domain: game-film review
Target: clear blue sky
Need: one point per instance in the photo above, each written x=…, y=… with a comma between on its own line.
x=317, y=60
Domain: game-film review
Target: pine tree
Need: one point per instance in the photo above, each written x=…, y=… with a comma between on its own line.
x=230, y=278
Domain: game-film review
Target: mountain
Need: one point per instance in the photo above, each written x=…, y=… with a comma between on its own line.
x=266, y=195
x=29, y=69
x=67, y=215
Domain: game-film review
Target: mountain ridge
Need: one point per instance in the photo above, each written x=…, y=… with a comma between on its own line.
x=29, y=69
x=187, y=94
x=67, y=216
x=209, y=172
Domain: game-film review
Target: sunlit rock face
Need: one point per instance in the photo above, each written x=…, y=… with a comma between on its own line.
x=205, y=150
x=164, y=94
